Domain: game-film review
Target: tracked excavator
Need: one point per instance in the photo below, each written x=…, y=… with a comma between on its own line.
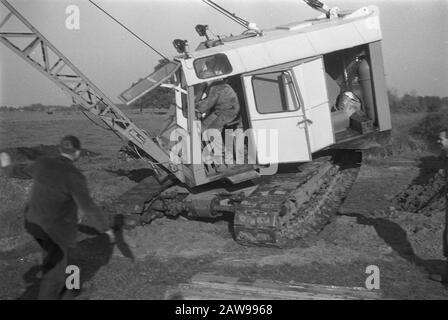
x=311, y=94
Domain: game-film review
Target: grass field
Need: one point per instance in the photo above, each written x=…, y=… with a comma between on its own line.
x=27, y=129
x=403, y=143
x=411, y=132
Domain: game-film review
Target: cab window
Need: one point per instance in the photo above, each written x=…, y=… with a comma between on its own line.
x=275, y=92
x=212, y=66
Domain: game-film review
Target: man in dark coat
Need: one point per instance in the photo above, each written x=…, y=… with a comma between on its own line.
x=51, y=214
x=443, y=142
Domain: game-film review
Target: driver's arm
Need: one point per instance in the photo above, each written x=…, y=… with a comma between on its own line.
x=205, y=105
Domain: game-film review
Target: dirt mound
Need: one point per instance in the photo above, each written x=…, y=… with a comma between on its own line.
x=425, y=197
x=424, y=233
x=177, y=238
x=105, y=186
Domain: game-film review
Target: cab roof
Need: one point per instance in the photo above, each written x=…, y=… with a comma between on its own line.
x=294, y=41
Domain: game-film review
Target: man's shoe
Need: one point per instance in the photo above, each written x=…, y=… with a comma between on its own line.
x=33, y=275
x=436, y=277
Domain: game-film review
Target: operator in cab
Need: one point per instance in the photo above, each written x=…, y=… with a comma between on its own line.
x=218, y=107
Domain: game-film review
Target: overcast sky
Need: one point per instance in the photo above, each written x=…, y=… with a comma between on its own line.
x=415, y=45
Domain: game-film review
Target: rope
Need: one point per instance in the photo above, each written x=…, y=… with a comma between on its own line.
x=319, y=6
x=94, y=122
x=153, y=164
x=129, y=30
x=315, y=4
x=225, y=12
x=108, y=128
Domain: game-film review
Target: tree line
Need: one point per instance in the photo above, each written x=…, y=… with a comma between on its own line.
x=161, y=98
x=38, y=107
x=411, y=102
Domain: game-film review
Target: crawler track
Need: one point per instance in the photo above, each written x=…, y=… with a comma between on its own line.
x=287, y=207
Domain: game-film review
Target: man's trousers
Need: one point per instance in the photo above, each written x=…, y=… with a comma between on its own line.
x=53, y=266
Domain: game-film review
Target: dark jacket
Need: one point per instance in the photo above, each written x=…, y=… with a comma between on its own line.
x=445, y=231
x=221, y=99
x=58, y=191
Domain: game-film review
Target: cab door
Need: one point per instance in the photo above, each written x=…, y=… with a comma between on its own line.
x=310, y=77
x=275, y=108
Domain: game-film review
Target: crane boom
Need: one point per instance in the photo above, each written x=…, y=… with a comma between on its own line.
x=56, y=67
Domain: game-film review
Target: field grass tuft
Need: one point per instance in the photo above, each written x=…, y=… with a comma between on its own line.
x=414, y=135
x=13, y=195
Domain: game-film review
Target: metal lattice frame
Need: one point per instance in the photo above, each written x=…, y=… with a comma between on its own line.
x=44, y=57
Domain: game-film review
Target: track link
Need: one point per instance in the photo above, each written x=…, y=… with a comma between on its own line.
x=286, y=207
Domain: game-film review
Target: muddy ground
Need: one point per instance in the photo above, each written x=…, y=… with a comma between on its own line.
x=392, y=218
x=375, y=226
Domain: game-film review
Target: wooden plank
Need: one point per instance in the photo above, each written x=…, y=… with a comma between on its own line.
x=209, y=286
